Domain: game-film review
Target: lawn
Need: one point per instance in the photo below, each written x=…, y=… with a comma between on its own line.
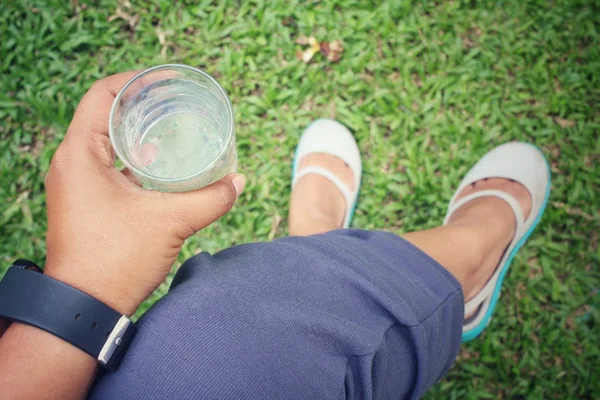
x=426, y=87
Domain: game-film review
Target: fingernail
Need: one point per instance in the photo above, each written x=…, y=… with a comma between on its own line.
x=239, y=182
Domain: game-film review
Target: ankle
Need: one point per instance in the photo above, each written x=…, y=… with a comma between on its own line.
x=312, y=224
x=316, y=207
x=488, y=229
x=473, y=255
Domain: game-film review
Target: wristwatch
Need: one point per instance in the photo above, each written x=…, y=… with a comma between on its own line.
x=32, y=298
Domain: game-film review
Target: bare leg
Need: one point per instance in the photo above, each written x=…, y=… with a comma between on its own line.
x=474, y=240
x=469, y=247
x=317, y=206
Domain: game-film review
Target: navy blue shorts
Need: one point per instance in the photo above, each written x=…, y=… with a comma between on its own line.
x=348, y=314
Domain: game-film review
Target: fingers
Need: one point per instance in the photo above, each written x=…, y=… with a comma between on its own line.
x=199, y=208
x=88, y=130
x=91, y=116
x=89, y=126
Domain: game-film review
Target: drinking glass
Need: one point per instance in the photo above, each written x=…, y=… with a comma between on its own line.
x=172, y=126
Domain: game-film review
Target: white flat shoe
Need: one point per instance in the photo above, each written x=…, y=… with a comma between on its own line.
x=330, y=137
x=523, y=163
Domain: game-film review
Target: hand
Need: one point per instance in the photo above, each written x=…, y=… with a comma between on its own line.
x=107, y=236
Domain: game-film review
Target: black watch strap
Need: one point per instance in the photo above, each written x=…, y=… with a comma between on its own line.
x=74, y=316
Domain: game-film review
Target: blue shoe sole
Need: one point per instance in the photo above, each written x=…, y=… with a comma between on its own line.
x=476, y=331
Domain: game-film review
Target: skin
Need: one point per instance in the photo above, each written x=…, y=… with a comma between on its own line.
x=469, y=246
x=117, y=242
x=107, y=237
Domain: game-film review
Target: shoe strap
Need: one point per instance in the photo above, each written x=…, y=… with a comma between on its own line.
x=488, y=289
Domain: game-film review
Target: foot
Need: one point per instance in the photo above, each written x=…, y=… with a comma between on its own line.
x=317, y=205
x=500, y=224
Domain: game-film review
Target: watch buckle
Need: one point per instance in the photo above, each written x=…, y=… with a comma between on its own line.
x=115, y=340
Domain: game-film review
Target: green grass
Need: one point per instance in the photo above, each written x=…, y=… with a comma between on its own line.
x=426, y=87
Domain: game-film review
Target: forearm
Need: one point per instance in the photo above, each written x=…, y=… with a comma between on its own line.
x=35, y=364
x=107, y=237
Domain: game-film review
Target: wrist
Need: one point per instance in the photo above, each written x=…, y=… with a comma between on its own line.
x=103, y=290
x=87, y=319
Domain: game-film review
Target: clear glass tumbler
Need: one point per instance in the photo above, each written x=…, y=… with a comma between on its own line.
x=172, y=126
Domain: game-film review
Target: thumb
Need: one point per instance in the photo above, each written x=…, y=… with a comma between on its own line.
x=199, y=208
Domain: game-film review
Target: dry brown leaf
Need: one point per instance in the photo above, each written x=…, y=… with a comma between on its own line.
x=131, y=20
x=334, y=56
x=23, y=196
x=336, y=46
x=332, y=51
x=564, y=123
x=307, y=55
x=134, y=20
x=274, y=226
x=302, y=40
x=162, y=39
